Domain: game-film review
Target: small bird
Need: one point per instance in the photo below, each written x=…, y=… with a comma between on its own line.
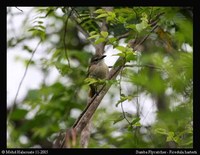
x=98, y=70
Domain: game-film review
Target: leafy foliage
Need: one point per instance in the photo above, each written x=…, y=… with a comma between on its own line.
x=160, y=69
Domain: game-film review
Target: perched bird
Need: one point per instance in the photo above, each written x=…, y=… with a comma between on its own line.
x=98, y=70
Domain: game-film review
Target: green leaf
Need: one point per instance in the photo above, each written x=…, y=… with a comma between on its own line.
x=130, y=128
x=170, y=137
x=135, y=120
x=99, y=11
x=40, y=132
x=92, y=33
x=123, y=98
x=102, y=15
x=132, y=26
x=177, y=139
x=62, y=68
x=190, y=142
x=111, y=16
x=112, y=40
x=121, y=19
x=40, y=22
x=119, y=54
x=33, y=95
x=111, y=13
x=90, y=81
x=120, y=62
x=18, y=114
x=130, y=56
x=38, y=32
x=104, y=34
x=144, y=24
x=100, y=40
x=94, y=36
x=40, y=27
x=141, y=26
x=120, y=118
x=144, y=17
x=161, y=131
x=25, y=47
x=137, y=124
x=111, y=82
x=121, y=48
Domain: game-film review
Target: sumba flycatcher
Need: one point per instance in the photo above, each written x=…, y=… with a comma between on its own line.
x=98, y=70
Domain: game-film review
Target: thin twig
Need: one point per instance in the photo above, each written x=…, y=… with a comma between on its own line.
x=125, y=115
x=150, y=66
x=137, y=89
x=19, y=9
x=120, y=88
x=145, y=38
x=64, y=41
x=120, y=94
x=123, y=35
x=23, y=77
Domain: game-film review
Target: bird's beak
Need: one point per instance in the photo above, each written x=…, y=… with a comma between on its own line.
x=103, y=56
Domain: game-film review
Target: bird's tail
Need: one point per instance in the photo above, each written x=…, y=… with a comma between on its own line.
x=92, y=91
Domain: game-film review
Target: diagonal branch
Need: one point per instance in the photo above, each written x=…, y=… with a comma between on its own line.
x=22, y=80
x=93, y=104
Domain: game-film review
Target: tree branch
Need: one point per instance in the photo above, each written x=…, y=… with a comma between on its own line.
x=143, y=65
x=123, y=35
x=19, y=9
x=92, y=105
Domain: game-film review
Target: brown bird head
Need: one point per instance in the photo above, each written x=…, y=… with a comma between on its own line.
x=97, y=58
